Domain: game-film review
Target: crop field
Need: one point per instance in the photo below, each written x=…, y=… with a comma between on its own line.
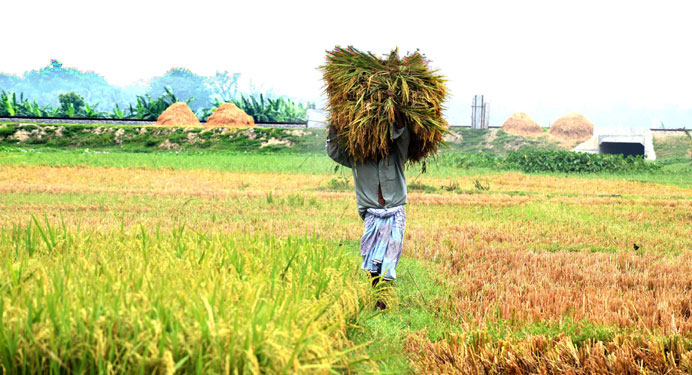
x=210, y=263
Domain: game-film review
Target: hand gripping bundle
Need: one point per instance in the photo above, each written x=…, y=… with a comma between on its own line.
x=369, y=95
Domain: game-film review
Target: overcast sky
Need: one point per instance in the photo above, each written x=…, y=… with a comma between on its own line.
x=545, y=58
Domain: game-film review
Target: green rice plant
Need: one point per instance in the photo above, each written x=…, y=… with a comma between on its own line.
x=175, y=301
x=368, y=96
x=481, y=185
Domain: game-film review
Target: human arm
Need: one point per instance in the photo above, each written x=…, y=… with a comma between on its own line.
x=400, y=135
x=336, y=152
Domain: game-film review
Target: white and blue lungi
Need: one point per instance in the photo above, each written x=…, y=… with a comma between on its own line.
x=383, y=240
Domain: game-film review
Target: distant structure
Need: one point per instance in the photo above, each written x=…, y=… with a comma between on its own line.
x=479, y=113
x=625, y=141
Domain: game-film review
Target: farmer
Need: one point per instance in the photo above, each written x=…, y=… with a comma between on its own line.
x=381, y=196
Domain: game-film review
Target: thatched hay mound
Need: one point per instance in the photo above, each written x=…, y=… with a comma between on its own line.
x=178, y=114
x=368, y=96
x=572, y=127
x=228, y=115
x=521, y=124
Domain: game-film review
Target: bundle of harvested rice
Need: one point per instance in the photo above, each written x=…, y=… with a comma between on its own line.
x=368, y=96
x=178, y=114
x=230, y=116
x=521, y=124
x=572, y=126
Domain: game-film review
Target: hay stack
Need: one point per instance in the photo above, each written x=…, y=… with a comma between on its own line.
x=521, y=124
x=367, y=96
x=228, y=115
x=178, y=114
x=572, y=127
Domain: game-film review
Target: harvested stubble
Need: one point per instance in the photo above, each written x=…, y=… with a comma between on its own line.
x=368, y=96
x=543, y=355
x=649, y=292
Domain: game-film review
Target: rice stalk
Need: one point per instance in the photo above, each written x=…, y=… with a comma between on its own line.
x=369, y=96
x=478, y=354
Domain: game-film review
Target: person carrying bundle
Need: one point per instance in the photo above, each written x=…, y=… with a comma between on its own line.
x=384, y=114
x=380, y=195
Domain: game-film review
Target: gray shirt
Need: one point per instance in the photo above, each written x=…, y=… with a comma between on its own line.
x=388, y=173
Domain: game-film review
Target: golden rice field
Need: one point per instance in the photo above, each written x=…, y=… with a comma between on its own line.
x=161, y=271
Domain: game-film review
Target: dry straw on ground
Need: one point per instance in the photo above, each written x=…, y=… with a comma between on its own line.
x=368, y=96
x=572, y=126
x=229, y=115
x=521, y=124
x=178, y=114
x=543, y=355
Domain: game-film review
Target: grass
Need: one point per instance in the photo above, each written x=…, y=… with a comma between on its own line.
x=136, y=138
x=673, y=148
x=679, y=174
x=497, y=142
x=411, y=311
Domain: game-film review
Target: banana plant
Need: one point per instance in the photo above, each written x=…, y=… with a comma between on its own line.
x=90, y=112
x=9, y=103
x=52, y=111
x=70, y=112
x=31, y=109
x=272, y=110
x=150, y=109
x=117, y=112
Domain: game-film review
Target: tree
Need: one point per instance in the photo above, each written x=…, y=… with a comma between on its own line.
x=185, y=84
x=223, y=86
x=7, y=82
x=71, y=104
x=45, y=84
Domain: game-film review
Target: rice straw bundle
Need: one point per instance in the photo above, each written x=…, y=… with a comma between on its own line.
x=368, y=96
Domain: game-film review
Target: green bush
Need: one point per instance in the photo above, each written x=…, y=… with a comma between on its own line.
x=6, y=130
x=536, y=160
x=575, y=162
x=478, y=160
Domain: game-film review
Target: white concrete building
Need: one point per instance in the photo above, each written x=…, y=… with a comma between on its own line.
x=626, y=141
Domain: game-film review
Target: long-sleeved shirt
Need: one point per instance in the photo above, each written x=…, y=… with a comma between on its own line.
x=387, y=173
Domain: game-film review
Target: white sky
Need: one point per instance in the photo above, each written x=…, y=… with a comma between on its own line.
x=540, y=57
